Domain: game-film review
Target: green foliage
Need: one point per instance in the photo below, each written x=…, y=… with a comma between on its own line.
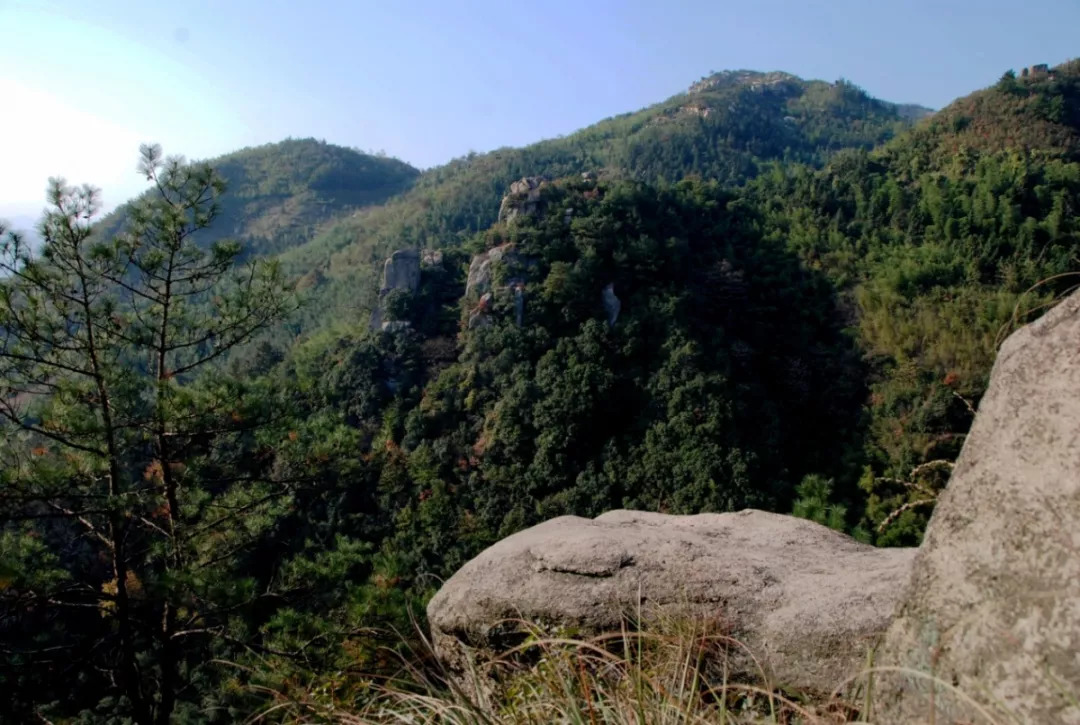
x=132, y=487
x=935, y=249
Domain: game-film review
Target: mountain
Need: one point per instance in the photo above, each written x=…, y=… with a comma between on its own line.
x=913, y=111
x=1037, y=112
x=279, y=194
x=724, y=127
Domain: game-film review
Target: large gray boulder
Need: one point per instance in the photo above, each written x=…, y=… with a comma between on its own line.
x=481, y=269
x=994, y=605
x=808, y=601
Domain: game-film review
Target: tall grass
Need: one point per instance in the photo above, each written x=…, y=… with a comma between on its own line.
x=676, y=672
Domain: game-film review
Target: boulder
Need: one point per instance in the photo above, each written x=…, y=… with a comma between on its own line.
x=808, y=601
x=401, y=271
x=994, y=606
x=524, y=199
x=478, y=281
x=482, y=268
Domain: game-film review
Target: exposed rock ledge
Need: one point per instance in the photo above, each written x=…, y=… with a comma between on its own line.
x=807, y=600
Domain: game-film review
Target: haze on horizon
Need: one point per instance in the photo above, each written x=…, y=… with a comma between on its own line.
x=84, y=84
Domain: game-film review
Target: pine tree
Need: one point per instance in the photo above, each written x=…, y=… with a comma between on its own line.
x=124, y=490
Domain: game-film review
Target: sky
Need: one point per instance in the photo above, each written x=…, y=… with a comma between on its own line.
x=82, y=84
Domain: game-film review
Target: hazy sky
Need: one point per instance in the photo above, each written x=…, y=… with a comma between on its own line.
x=83, y=83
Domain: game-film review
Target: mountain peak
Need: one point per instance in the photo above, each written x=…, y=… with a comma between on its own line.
x=733, y=78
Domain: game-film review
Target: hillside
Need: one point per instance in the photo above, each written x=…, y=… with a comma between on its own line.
x=1035, y=111
x=725, y=127
x=933, y=242
x=279, y=194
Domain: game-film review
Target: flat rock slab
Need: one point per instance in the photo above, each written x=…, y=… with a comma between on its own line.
x=806, y=600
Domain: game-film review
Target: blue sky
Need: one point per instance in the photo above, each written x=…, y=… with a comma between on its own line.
x=83, y=83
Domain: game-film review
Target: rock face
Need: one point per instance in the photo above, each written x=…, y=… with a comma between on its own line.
x=994, y=603
x=431, y=258
x=807, y=600
x=524, y=199
x=479, y=284
x=401, y=271
x=393, y=326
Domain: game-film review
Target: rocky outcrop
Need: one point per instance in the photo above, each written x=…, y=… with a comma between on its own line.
x=431, y=258
x=524, y=199
x=994, y=606
x=807, y=600
x=401, y=271
x=393, y=326
x=481, y=279
x=479, y=316
x=612, y=304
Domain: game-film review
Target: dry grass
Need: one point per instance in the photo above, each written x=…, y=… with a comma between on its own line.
x=675, y=673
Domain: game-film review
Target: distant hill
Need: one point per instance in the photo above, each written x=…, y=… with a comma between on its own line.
x=1038, y=112
x=278, y=194
x=913, y=111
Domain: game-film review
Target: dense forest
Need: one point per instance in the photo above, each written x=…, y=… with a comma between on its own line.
x=222, y=487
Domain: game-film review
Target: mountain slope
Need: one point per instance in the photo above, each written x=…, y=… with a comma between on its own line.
x=939, y=243
x=1037, y=113
x=724, y=128
x=279, y=194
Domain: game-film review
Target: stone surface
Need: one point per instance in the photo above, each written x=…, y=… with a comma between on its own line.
x=401, y=271
x=524, y=199
x=431, y=258
x=807, y=600
x=395, y=326
x=612, y=304
x=480, y=316
x=994, y=605
x=478, y=282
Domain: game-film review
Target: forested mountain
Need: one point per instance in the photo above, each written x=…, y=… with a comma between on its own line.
x=763, y=292
x=280, y=193
x=933, y=242
x=725, y=127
